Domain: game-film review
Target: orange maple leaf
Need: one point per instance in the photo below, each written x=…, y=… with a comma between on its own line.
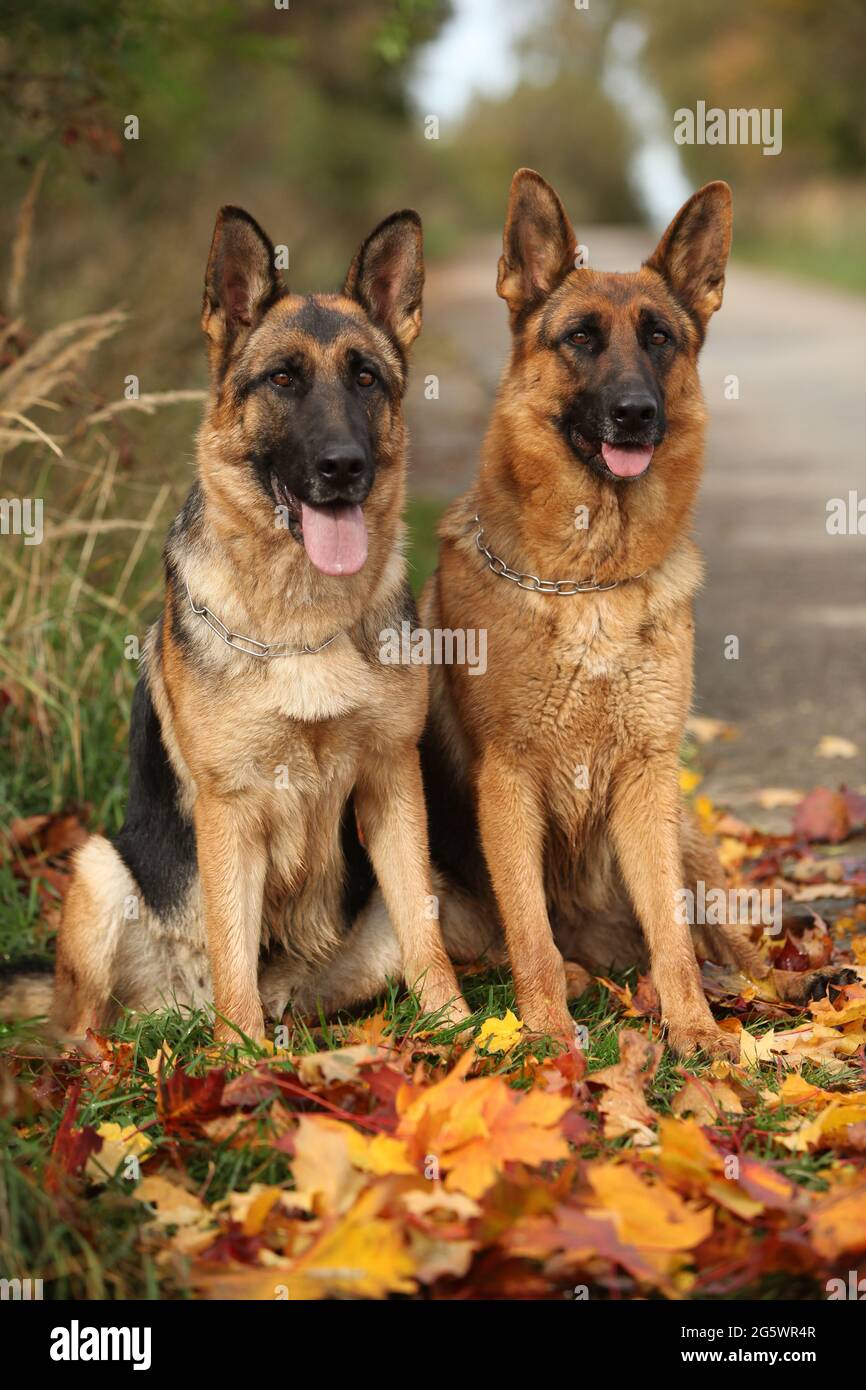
x=471, y=1128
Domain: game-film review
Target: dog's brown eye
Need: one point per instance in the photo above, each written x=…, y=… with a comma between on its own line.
x=281, y=378
x=365, y=378
x=580, y=339
x=658, y=337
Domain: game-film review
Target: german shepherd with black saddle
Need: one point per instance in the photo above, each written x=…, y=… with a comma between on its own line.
x=265, y=728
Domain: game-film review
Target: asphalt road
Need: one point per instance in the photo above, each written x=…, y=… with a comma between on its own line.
x=792, y=593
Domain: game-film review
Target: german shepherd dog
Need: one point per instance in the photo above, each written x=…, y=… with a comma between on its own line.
x=255, y=757
x=572, y=550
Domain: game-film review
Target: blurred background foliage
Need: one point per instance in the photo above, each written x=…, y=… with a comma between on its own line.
x=307, y=115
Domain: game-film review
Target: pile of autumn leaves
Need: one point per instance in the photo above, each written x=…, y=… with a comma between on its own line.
x=487, y=1169
x=476, y=1177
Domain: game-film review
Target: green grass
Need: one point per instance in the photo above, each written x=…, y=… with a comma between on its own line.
x=840, y=262
x=423, y=517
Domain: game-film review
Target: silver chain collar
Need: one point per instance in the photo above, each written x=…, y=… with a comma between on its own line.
x=564, y=587
x=262, y=651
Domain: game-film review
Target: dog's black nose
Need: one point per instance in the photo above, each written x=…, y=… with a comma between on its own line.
x=634, y=412
x=341, y=465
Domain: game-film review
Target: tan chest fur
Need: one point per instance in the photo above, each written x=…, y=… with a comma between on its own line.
x=575, y=685
x=287, y=741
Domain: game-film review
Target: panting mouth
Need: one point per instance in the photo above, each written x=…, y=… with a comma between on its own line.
x=334, y=535
x=626, y=459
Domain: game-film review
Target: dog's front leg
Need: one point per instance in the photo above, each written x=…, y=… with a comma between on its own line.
x=645, y=820
x=390, y=802
x=512, y=824
x=231, y=861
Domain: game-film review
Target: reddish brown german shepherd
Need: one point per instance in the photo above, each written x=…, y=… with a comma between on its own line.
x=572, y=551
x=252, y=755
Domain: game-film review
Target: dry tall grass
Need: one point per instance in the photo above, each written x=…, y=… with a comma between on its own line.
x=67, y=604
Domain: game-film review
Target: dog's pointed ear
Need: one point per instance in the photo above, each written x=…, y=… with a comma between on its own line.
x=539, y=245
x=241, y=281
x=386, y=276
x=693, y=252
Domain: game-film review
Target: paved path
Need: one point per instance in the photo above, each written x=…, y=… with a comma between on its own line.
x=793, y=594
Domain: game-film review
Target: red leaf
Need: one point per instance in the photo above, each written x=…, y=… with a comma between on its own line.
x=250, y=1089
x=823, y=815
x=791, y=957
x=72, y=1147
x=184, y=1101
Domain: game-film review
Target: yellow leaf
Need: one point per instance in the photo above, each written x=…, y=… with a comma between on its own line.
x=648, y=1215
x=119, y=1142
x=689, y=779
x=500, y=1034
x=705, y=812
x=839, y=1223
x=174, y=1205
x=362, y=1256
x=331, y=1159
x=250, y=1209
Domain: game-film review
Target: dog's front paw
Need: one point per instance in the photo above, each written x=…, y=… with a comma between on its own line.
x=690, y=1036
x=441, y=995
x=251, y=1027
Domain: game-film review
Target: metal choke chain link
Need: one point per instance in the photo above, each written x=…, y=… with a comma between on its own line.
x=566, y=588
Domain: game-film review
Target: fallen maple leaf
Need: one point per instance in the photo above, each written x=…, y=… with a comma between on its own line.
x=72, y=1146
x=838, y=1222
x=119, y=1142
x=176, y=1210
x=174, y=1205
x=343, y=1064
x=706, y=1098
x=500, y=1034
x=742, y=1185
x=624, y=1104
x=333, y=1160
x=473, y=1127
x=648, y=1215
x=184, y=1101
x=362, y=1254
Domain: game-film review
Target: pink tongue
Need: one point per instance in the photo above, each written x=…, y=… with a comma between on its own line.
x=335, y=538
x=627, y=463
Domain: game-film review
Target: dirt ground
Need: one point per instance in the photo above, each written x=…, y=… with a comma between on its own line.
x=791, y=592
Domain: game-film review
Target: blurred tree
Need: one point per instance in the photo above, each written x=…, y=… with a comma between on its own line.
x=804, y=56
x=300, y=114
x=558, y=120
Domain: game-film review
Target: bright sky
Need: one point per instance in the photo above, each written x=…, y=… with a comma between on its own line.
x=472, y=54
